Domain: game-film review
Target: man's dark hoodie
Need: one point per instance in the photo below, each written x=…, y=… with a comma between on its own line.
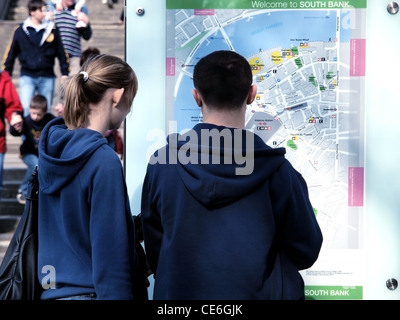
x=37, y=51
x=227, y=218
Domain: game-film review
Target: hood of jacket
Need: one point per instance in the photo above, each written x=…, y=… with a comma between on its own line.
x=233, y=162
x=63, y=153
x=47, y=26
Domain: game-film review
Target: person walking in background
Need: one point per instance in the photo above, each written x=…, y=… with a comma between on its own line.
x=78, y=5
x=88, y=53
x=32, y=127
x=110, y=3
x=122, y=16
x=90, y=241
x=73, y=26
x=225, y=216
x=10, y=111
x=72, y=19
x=36, y=44
x=59, y=109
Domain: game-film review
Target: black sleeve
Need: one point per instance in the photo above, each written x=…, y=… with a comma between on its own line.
x=86, y=33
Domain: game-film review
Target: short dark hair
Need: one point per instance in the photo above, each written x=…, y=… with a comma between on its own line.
x=223, y=78
x=89, y=52
x=34, y=5
x=38, y=102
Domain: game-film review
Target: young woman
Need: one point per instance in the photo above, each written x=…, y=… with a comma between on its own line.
x=86, y=237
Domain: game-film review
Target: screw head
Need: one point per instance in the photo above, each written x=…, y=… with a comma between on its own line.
x=140, y=11
x=392, y=284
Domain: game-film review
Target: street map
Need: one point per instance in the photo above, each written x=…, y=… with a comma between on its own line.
x=308, y=66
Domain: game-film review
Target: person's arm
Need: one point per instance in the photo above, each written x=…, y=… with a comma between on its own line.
x=79, y=5
x=58, y=4
x=62, y=55
x=119, y=143
x=111, y=230
x=51, y=8
x=85, y=32
x=151, y=225
x=298, y=233
x=12, y=53
x=13, y=107
x=16, y=125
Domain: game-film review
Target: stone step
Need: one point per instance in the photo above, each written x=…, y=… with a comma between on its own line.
x=14, y=175
x=11, y=207
x=5, y=238
x=10, y=189
x=8, y=223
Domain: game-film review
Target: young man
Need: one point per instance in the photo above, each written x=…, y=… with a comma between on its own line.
x=226, y=217
x=37, y=45
x=32, y=127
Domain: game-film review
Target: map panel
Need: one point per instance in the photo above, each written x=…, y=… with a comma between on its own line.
x=309, y=67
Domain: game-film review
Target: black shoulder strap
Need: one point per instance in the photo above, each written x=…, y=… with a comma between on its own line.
x=34, y=182
x=18, y=270
x=2, y=103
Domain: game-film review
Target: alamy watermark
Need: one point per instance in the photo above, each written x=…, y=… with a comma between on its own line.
x=49, y=280
x=238, y=147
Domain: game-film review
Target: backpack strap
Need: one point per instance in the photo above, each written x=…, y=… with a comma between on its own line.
x=2, y=103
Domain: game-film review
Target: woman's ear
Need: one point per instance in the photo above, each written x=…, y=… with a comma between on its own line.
x=117, y=95
x=252, y=94
x=197, y=97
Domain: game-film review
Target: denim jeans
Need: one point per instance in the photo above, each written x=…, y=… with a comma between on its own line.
x=31, y=161
x=1, y=171
x=28, y=86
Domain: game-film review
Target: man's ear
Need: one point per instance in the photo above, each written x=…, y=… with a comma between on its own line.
x=197, y=97
x=252, y=94
x=117, y=95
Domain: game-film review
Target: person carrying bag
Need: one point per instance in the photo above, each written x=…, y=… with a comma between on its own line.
x=18, y=270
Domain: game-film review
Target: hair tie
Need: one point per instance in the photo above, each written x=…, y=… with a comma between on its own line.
x=85, y=75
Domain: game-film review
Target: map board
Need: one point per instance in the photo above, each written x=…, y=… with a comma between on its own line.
x=309, y=64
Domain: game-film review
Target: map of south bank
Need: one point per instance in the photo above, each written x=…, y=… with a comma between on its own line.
x=308, y=66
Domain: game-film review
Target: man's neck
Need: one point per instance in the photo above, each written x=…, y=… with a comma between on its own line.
x=226, y=118
x=35, y=22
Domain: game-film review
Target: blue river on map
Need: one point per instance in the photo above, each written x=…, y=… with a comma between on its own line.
x=248, y=36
